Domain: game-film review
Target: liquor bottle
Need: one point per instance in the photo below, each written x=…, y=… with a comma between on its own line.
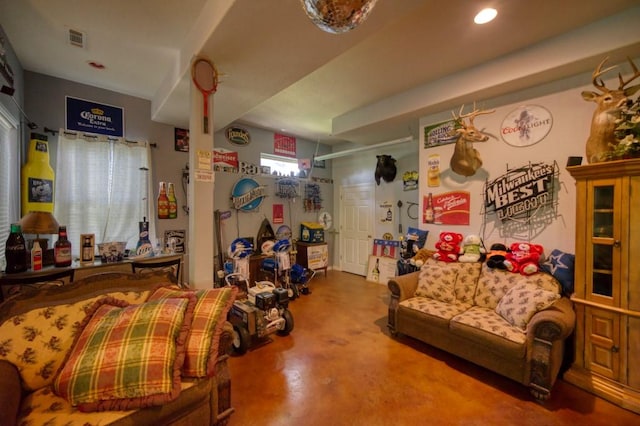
x=36, y=256
x=16, y=251
x=163, y=202
x=375, y=273
x=37, y=177
x=428, y=210
x=87, y=250
x=62, y=249
x=173, y=202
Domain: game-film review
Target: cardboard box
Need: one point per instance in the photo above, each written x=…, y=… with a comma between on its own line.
x=311, y=232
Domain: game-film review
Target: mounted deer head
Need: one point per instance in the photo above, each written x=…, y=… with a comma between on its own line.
x=466, y=159
x=608, y=104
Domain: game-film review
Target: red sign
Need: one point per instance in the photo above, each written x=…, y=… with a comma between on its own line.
x=451, y=208
x=284, y=145
x=225, y=160
x=278, y=213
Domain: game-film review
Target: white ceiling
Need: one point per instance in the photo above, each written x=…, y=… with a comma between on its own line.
x=409, y=59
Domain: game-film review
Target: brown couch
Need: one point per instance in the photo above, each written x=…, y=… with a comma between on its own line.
x=201, y=400
x=459, y=308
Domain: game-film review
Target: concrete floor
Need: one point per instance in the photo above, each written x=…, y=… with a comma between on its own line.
x=340, y=366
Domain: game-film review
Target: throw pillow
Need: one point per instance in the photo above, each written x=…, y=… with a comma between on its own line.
x=127, y=356
x=561, y=265
x=493, y=285
x=437, y=281
x=209, y=316
x=522, y=301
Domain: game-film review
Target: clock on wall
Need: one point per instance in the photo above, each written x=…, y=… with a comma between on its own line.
x=325, y=220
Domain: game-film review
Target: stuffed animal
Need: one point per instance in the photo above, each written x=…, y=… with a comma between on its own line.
x=496, y=256
x=523, y=258
x=420, y=257
x=472, y=249
x=448, y=247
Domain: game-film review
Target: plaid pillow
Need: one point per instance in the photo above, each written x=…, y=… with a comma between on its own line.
x=209, y=316
x=127, y=356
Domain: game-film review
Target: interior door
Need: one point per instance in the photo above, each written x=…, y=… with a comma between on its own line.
x=356, y=227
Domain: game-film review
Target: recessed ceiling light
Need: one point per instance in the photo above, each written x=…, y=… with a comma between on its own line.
x=96, y=65
x=485, y=15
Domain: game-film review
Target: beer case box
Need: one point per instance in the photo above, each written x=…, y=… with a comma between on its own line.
x=311, y=232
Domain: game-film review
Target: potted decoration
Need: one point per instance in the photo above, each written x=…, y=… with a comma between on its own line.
x=627, y=133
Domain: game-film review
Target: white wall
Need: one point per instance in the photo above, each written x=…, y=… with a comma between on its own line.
x=360, y=168
x=571, y=123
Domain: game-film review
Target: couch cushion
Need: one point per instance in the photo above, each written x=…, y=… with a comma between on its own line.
x=466, y=281
x=36, y=341
x=209, y=316
x=437, y=281
x=44, y=407
x=492, y=285
x=127, y=356
x=434, y=307
x=486, y=327
x=522, y=301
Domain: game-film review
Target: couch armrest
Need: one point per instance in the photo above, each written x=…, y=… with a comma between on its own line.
x=221, y=395
x=404, y=286
x=401, y=287
x=10, y=393
x=546, y=334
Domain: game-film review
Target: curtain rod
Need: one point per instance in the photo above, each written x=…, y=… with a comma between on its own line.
x=363, y=148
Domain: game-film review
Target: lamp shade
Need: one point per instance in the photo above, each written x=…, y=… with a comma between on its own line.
x=39, y=223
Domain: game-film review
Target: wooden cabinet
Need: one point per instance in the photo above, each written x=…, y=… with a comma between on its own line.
x=607, y=281
x=313, y=256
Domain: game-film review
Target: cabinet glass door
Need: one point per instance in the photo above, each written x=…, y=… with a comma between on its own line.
x=603, y=242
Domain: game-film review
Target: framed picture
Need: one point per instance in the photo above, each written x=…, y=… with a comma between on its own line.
x=319, y=163
x=181, y=137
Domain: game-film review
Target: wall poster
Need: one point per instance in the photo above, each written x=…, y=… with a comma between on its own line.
x=522, y=193
x=440, y=134
x=449, y=208
x=381, y=269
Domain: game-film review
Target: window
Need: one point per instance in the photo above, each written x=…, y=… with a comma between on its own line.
x=102, y=187
x=9, y=178
x=281, y=166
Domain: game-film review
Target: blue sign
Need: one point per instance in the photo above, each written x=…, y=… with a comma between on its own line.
x=247, y=194
x=92, y=117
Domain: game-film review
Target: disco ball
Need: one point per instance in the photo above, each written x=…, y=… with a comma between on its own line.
x=338, y=16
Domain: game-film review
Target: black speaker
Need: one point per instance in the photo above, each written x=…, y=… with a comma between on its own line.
x=574, y=161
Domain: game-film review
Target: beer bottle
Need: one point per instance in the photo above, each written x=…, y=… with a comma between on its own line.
x=16, y=251
x=163, y=202
x=62, y=249
x=173, y=202
x=428, y=210
x=87, y=250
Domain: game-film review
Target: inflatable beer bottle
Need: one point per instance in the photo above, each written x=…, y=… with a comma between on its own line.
x=37, y=177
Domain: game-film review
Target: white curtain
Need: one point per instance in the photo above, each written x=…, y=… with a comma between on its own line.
x=102, y=188
x=9, y=177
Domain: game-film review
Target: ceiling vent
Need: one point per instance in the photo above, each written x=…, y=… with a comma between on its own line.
x=77, y=38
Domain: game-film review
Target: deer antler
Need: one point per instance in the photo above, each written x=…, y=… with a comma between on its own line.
x=595, y=77
x=633, y=77
x=476, y=112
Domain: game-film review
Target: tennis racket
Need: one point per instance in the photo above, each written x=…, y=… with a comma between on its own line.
x=205, y=77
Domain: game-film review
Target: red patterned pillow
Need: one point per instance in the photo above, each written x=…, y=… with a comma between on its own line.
x=209, y=316
x=127, y=356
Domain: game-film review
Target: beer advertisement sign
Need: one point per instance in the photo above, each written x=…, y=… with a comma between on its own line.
x=521, y=192
x=449, y=208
